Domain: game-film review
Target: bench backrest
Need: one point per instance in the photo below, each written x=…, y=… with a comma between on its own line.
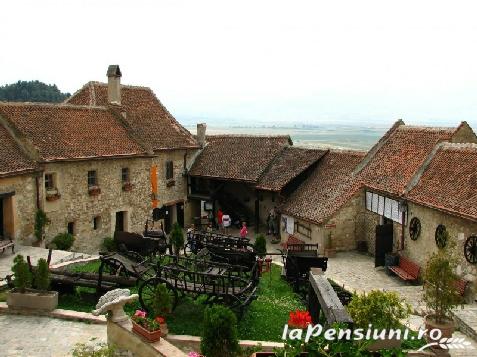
x=461, y=284
x=409, y=266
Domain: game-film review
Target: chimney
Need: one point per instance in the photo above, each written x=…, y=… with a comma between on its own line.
x=201, y=127
x=114, y=84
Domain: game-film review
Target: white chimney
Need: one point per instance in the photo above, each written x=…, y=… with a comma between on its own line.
x=114, y=84
x=201, y=127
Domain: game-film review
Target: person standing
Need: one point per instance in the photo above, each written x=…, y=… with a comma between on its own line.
x=220, y=215
x=243, y=231
x=226, y=221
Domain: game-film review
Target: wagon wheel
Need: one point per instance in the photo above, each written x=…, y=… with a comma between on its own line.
x=114, y=267
x=146, y=293
x=441, y=236
x=470, y=249
x=414, y=228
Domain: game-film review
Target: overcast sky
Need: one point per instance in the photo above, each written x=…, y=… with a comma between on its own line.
x=291, y=61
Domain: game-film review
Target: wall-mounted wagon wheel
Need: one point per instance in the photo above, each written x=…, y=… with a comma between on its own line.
x=414, y=228
x=146, y=293
x=470, y=249
x=441, y=236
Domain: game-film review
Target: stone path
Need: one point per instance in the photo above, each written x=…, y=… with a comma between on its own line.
x=356, y=272
x=36, y=336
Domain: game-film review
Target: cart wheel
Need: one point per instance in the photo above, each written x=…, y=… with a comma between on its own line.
x=146, y=293
x=114, y=267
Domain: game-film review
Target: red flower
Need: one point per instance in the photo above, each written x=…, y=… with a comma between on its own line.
x=299, y=319
x=160, y=320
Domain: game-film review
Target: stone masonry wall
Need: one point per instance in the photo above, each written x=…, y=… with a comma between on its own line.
x=19, y=210
x=459, y=229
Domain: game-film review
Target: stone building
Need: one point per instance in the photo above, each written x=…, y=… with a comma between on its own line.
x=324, y=207
x=246, y=176
x=99, y=162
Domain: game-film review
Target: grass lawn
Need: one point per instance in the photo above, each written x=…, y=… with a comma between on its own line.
x=263, y=319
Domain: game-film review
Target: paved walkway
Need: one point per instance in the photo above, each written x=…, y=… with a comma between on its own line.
x=356, y=272
x=36, y=336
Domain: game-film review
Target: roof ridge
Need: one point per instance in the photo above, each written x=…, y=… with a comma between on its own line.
x=61, y=105
x=373, y=151
x=249, y=136
x=450, y=145
x=429, y=128
x=348, y=151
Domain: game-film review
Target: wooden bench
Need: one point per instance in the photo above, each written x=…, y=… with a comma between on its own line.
x=406, y=270
x=7, y=243
x=461, y=285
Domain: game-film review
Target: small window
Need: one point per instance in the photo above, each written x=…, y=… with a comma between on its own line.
x=96, y=222
x=169, y=170
x=92, y=179
x=71, y=228
x=49, y=182
x=300, y=228
x=125, y=175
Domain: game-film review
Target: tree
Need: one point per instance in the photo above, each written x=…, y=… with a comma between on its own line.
x=177, y=238
x=42, y=275
x=22, y=274
x=32, y=91
x=219, y=335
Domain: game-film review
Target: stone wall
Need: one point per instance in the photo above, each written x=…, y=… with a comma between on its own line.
x=459, y=229
x=19, y=210
x=76, y=205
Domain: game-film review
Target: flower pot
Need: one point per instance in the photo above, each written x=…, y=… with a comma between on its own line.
x=94, y=191
x=387, y=343
x=447, y=327
x=147, y=335
x=127, y=187
x=32, y=299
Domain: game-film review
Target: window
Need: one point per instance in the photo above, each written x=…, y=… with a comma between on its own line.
x=125, y=175
x=304, y=230
x=92, y=179
x=49, y=182
x=71, y=228
x=169, y=170
x=96, y=222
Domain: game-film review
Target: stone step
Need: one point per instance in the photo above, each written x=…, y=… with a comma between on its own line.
x=466, y=320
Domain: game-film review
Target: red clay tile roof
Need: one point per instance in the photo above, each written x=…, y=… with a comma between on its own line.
x=450, y=181
x=12, y=159
x=238, y=157
x=329, y=187
x=146, y=115
x=290, y=163
x=62, y=132
x=400, y=154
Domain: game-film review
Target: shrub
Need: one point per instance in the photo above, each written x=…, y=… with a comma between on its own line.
x=161, y=304
x=382, y=309
x=176, y=238
x=219, y=335
x=260, y=245
x=42, y=275
x=109, y=244
x=41, y=220
x=63, y=241
x=440, y=290
x=100, y=349
x=22, y=274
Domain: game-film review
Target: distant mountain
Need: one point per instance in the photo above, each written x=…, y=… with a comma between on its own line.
x=32, y=91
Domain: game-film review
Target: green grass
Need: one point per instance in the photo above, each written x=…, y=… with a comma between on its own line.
x=263, y=319
x=90, y=267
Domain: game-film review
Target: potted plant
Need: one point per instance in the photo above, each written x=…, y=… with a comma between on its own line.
x=330, y=250
x=127, y=186
x=146, y=327
x=177, y=238
x=94, y=190
x=52, y=195
x=440, y=291
x=162, y=306
x=23, y=296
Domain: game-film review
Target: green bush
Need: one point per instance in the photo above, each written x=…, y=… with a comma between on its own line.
x=99, y=349
x=382, y=309
x=176, y=238
x=42, y=275
x=41, y=220
x=22, y=274
x=109, y=244
x=63, y=241
x=219, y=335
x=260, y=245
x=161, y=304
